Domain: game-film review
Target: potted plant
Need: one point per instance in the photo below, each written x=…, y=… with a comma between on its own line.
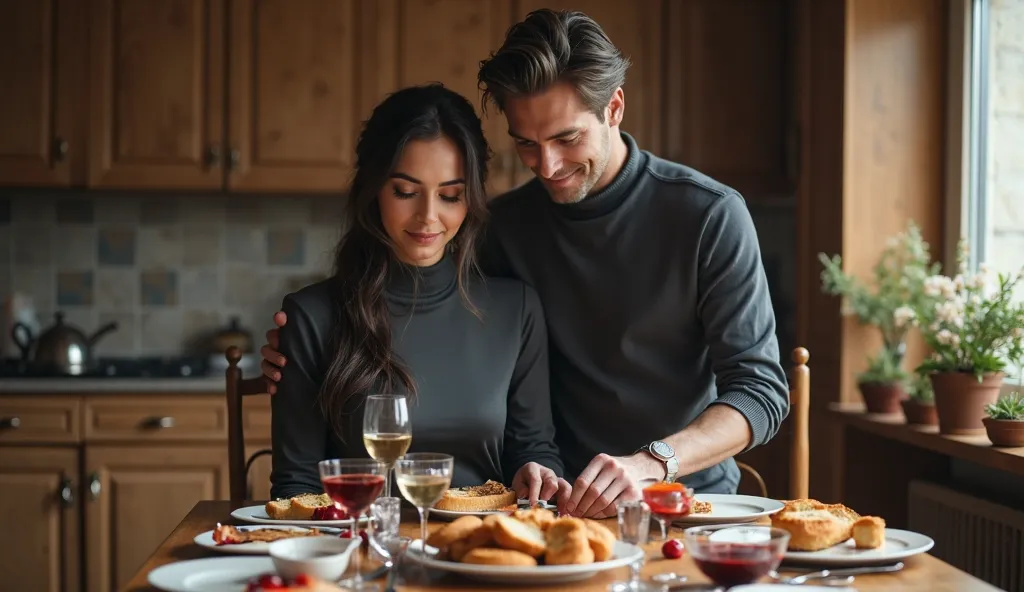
x=919, y=408
x=899, y=277
x=1005, y=420
x=974, y=327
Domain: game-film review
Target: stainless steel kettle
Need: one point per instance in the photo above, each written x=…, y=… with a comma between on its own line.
x=61, y=349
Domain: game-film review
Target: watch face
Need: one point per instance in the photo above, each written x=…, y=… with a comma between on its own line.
x=662, y=449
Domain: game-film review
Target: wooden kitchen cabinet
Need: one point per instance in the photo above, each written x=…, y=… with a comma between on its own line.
x=94, y=482
x=41, y=517
x=43, y=77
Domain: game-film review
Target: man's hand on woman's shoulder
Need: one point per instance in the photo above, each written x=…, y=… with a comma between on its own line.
x=273, y=361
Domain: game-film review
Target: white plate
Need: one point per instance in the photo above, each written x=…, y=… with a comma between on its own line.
x=452, y=515
x=205, y=539
x=788, y=588
x=622, y=554
x=727, y=508
x=210, y=574
x=899, y=544
x=258, y=514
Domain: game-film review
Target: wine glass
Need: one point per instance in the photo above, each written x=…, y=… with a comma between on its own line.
x=353, y=484
x=423, y=477
x=734, y=555
x=387, y=431
x=668, y=501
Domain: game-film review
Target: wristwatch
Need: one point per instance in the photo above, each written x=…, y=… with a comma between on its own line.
x=666, y=454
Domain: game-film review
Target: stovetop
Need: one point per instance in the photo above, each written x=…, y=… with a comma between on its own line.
x=146, y=367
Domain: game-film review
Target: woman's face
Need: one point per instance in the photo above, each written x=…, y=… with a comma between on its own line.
x=422, y=204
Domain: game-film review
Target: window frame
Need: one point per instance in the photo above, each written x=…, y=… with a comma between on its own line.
x=966, y=212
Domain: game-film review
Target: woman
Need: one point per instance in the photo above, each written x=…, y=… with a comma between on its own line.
x=405, y=311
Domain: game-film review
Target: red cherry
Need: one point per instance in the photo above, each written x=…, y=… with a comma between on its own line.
x=672, y=549
x=303, y=580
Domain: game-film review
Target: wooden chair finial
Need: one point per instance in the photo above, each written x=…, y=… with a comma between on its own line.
x=801, y=356
x=233, y=354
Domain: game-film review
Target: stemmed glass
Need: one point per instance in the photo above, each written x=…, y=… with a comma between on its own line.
x=668, y=501
x=387, y=431
x=353, y=484
x=634, y=526
x=423, y=477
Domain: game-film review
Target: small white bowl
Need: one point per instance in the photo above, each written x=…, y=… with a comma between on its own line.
x=325, y=557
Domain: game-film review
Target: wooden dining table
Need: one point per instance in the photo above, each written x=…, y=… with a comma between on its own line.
x=922, y=572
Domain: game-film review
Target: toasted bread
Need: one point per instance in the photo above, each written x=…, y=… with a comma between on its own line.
x=869, y=532
x=568, y=542
x=491, y=496
x=510, y=533
x=300, y=507
x=814, y=526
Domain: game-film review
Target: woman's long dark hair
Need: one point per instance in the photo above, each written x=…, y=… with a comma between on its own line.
x=363, y=359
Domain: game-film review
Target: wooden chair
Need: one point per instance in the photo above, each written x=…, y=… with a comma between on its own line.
x=799, y=410
x=237, y=388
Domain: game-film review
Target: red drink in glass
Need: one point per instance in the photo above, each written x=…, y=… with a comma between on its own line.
x=353, y=492
x=668, y=501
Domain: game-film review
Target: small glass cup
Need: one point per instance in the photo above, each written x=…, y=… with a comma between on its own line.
x=733, y=554
x=387, y=514
x=634, y=528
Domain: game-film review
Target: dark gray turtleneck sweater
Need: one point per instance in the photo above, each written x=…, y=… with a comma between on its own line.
x=483, y=390
x=657, y=307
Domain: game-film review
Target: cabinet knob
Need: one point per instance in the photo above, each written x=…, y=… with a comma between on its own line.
x=60, y=149
x=94, y=486
x=213, y=156
x=160, y=422
x=10, y=422
x=67, y=493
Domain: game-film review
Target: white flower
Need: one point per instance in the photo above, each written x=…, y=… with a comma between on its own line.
x=1017, y=333
x=933, y=285
x=958, y=283
x=950, y=312
x=903, y=315
x=947, y=337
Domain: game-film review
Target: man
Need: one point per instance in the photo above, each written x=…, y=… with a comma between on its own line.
x=664, y=361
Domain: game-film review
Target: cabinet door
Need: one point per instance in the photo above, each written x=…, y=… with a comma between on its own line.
x=423, y=41
x=42, y=76
x=294, y=94
x=729, y=93
x=39, y=510
x=635, y=28
x=135, y=496
x=157, y=94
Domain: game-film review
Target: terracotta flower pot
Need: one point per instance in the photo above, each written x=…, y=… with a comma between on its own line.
x=1005, y=432
x=960, y=400
x=882, y=397
x=918, y=413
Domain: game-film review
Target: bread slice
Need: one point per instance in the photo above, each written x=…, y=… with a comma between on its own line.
x=300, y=507
x=491, y=496
x=814, y=526
x=869, y=532
x=510, y=533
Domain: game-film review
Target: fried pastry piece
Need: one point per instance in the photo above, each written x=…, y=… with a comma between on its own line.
x=869, y=532
x=458, y=529
x=568, y=542
x=485, y=556
x=510, y=533
x=814, y=526
x=539, y=517
x=602, y=541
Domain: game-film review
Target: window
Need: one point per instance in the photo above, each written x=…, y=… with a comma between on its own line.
x=992, y=207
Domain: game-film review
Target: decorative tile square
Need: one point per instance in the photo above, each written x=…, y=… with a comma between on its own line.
x=116, y=210
x=121, y=342
x=5, y=210
x=159, y=246
x=286, y=247
x=74, y=288
x=285, y=211
x=154, y=211
x=200, y=289
x=159, y=288
x=244, y=244
x=74, y=211
x=115, y=246
x=204, y=210
x=39, y=283
x=201, y=245
x=74, y=247
x=32, y=245
x=243, y=210
x=117, y=290
x=160, y=332
x=32, y=210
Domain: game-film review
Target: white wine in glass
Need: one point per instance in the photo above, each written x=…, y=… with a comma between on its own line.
x=387, y=431
x=423, y=478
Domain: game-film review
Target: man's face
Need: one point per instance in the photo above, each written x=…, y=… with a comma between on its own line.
x=563, y=142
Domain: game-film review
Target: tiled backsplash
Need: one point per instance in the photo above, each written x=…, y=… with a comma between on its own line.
x=170, y=270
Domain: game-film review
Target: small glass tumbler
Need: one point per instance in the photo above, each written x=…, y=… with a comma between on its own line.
x=634, y=528
x=387, y=514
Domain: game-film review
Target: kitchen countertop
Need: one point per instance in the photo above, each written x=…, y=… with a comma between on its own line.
x=199, y=384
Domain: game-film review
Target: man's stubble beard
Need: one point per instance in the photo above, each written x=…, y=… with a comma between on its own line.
x=600, y=165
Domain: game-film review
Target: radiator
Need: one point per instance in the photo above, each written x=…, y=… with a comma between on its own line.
x=983, y=538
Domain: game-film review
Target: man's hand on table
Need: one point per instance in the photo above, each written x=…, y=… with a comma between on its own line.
x=610, y=480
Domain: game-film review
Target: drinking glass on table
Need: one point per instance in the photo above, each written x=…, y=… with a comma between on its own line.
x=353, y=484
x=668, y=501
x=387, y=431
x=423, y=477
x=734, y=555
x=634, y=526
